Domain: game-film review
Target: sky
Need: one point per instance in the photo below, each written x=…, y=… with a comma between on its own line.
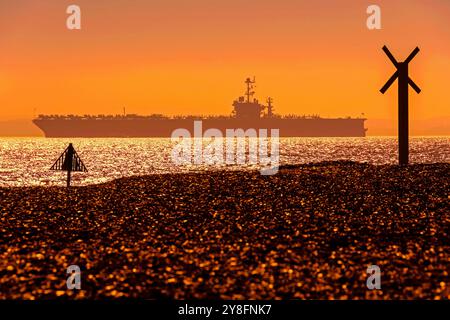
x=192, y=57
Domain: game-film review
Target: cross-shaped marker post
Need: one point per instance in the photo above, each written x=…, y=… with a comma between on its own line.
x=402, y=74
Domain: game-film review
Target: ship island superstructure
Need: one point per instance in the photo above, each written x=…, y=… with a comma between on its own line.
x=247, y=113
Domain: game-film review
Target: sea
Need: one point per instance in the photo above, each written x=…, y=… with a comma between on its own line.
x=27, y=161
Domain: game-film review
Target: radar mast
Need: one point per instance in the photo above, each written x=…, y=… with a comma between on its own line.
x=250, y=86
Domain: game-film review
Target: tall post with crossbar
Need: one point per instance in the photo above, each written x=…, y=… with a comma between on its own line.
x=404, y=81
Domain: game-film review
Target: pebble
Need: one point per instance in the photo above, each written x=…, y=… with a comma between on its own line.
x=309, y=232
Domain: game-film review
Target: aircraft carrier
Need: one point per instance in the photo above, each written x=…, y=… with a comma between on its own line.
x=247, y=113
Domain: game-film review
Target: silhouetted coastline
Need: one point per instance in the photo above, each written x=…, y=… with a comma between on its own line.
x=308, y=232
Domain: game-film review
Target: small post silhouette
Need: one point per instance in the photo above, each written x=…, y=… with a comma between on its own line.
x=404, y=81
x=69, y=161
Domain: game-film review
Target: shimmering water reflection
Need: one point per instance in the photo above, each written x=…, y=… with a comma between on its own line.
x=26, y=161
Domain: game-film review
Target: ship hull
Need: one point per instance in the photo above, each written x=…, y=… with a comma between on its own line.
x=135, y=128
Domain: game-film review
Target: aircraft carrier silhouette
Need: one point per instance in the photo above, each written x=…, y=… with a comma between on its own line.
x=248, y=113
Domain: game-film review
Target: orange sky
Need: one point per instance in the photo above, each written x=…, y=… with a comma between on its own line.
x=192, y=56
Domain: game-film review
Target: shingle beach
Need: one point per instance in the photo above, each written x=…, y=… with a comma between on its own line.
x=309, y=232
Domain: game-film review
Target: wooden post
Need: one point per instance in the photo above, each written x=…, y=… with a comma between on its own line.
x=404, y=82
x=403, y=114
x=68, y=178
x=69, y=161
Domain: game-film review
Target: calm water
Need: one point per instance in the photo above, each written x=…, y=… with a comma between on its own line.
x=26, y=161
